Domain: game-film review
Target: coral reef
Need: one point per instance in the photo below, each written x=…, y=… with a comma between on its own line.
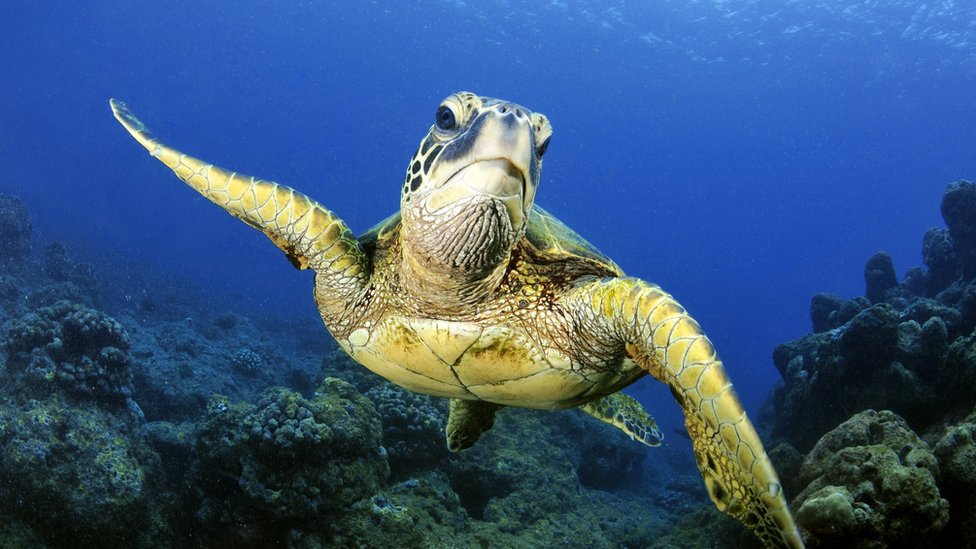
x=286, y=459
x=871, y=482
x=904, y=347
x=58, y=267
x=180, y=363
x=361, y=462
x=413, y=427
x=86, y=473
x=956, y=452
x=80, y=350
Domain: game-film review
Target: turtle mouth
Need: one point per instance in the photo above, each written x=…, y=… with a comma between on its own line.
x=496, y=178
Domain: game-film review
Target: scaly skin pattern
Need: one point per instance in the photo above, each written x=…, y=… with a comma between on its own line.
x=310, y=235
x=626, y=414
x=661, y=337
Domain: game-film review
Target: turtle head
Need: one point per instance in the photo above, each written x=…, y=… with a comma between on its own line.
x=470, y=187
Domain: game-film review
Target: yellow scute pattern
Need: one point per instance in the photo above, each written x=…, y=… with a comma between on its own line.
x=464, y=360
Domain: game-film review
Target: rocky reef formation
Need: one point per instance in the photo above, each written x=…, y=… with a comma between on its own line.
x=285, y=460
x=413, y=427
x=901, y=476
x=956, y=453
x=871, y=482
x=906, y=347
x=72, y=348
x=74, y=465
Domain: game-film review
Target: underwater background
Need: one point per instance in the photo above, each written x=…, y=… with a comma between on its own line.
x=749, y=156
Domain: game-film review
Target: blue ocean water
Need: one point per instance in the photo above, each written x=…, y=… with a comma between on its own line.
x=744, y=154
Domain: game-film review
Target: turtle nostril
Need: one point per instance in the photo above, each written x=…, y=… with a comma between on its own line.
x=503, y=109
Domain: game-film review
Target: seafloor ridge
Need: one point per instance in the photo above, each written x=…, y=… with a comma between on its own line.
x=135, y=412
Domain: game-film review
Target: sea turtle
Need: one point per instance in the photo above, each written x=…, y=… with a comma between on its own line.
x=473, y=293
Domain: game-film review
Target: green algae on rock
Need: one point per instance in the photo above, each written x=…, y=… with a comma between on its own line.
x=287, y=458
x=86, y=473
x=871, y=483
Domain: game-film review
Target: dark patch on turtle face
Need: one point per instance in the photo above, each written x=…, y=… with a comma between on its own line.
x=415, y=184
x=415, y=167
x=425, y=146
x=534, y=170
x=430, y=158
x=462, y=144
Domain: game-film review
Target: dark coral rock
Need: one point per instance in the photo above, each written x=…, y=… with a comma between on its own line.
x=879, y=277
x=174, y=443
x=80, y=350
x=914, y=282
x=849, y=309
x=959, y=374
x=287, y=459
x=959, y=212
x=923, y=309
x=869, y=340
x=787, y=460
x=413, y=427
x=247, y=362
x=874, y=361
x=823, y=311
x=956, y=451
x=967, y=309
x=870, y=480
x=940, y=258
x=921, y=349
x=607, y=460
x=58, y=267
x=86, y=473
x=15, y=233
x=509, y=478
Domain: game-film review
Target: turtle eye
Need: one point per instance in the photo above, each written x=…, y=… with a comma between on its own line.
x=541, y=149
x=444, y=119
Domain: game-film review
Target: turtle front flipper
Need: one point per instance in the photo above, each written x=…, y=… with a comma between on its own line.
x=467, y=421
x=626, y=414
x=310, y=235
x=663, y=339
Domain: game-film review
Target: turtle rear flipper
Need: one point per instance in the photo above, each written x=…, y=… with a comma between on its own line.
x=468, y=420
x=310, y=235
x=626, y=414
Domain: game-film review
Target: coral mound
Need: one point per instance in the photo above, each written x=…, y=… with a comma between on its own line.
x=287, y=458
x=871, y=483
x=413, y=427
x=79, y=350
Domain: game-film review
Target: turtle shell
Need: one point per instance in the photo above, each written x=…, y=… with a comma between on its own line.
x=552, y=239
x=381, y=231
